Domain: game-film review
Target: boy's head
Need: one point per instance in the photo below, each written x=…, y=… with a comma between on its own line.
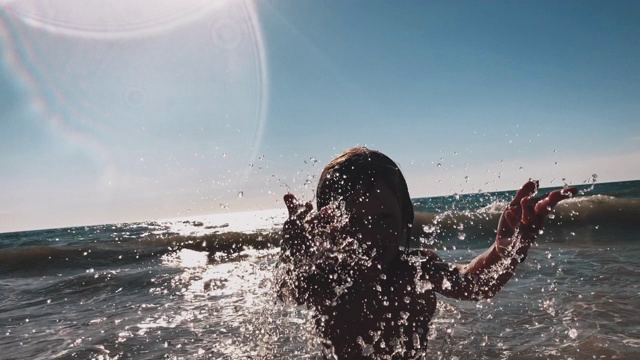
x=357, y=171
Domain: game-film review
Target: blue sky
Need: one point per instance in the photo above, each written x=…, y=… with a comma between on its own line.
x=138, y=110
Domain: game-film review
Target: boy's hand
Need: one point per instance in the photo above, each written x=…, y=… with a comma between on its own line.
x=526, y=213
x=293, y=229
x=297, y=210
x=303, y=231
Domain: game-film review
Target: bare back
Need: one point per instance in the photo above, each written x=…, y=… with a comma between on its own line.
x=382, y=316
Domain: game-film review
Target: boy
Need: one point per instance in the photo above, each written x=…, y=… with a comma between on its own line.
x=344, y=261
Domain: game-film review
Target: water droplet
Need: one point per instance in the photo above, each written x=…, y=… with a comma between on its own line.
x=521, y=168
x=240, y=194
x=403, y=318
x=224, y=155
x=446, y=285
x=439, y=164
x=423, y=285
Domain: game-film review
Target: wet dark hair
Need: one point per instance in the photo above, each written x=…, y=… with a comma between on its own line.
x=358, y=169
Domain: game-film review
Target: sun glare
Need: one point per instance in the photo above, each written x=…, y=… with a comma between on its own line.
x=113, y=19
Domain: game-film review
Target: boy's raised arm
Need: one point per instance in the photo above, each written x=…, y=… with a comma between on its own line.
x=518, y=228
x=309, y=270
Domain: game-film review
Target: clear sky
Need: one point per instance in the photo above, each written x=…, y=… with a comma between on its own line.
x=137, y=110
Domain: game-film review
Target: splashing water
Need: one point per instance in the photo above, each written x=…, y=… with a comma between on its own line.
x=592, y=180
x=575, y=296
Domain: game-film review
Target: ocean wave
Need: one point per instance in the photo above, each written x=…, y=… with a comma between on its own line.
x=31, y=259
x=573, y=217
x=595, y=217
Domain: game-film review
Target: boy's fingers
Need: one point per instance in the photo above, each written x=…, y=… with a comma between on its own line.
x=528, y=210
x=511, y=218
x=527, y=189
x=544, y=207
x=306, y=209
x=292, y=204
x=295, y=208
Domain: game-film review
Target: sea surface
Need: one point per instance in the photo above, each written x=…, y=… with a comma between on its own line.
x=202, y=287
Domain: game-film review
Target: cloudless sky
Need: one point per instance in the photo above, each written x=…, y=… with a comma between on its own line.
x=136, y=110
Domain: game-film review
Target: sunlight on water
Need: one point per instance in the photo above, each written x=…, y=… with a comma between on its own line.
x=186, y=258
x=230, y=305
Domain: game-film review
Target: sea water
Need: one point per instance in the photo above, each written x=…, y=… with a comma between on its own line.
x=202, y=287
